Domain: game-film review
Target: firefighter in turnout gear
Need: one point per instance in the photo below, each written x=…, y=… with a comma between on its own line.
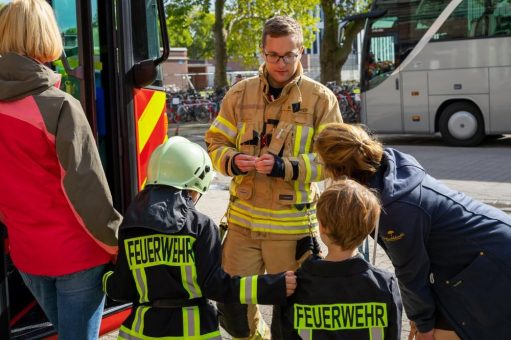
x=264, y=138
x=169, y=254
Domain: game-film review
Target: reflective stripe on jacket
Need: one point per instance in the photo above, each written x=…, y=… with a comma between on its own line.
x=246, y=120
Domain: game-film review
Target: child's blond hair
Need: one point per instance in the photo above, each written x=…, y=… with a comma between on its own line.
x=348, y=212
x=29, y=28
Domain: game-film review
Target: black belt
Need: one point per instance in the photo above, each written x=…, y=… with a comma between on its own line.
x=174, y=303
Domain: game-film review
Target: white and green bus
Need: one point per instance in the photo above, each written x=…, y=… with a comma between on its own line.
x=438, y=66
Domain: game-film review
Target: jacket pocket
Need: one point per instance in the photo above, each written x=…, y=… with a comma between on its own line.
x=245, y=187
x=303, y=118
x=483, y=289
x=279, y=138
x=248, y=139
x=284, y=193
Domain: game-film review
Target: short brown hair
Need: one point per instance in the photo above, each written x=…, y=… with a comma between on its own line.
x=348, y=150
x=348, y=211
x=29, y=28
x=280, y=26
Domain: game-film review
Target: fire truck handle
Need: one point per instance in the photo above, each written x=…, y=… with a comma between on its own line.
x=163, y=32
x=75, y=72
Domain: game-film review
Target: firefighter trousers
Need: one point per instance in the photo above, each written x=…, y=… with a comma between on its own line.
x=253, y=253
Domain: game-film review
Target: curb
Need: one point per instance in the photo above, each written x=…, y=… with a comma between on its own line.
x=187, y=129
x=502, y=205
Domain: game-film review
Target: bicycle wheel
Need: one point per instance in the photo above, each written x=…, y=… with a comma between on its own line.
x=202, y=114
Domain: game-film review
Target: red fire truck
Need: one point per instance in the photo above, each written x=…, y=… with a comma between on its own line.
x=112, y=52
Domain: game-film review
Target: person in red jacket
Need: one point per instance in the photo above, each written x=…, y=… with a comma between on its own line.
x=54, y=201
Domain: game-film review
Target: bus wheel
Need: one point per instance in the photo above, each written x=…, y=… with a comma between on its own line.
x=461, y=124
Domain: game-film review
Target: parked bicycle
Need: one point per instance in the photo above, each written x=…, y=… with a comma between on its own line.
x=349, y=101
x=189, y=106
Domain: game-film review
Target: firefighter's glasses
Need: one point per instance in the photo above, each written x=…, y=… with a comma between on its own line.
x=274, y=58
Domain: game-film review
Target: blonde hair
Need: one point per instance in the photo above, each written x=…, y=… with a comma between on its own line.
x=348, y=212
x=29, y=28
x=347, y=150
x=280, y=26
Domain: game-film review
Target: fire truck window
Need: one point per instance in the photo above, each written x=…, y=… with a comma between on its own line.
x=146, y=33
x=65, y=12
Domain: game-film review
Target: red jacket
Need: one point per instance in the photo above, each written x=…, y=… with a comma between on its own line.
x=54, y=198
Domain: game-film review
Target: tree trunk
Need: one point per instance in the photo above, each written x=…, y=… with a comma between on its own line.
x=329, y=49
x=332, y=54
x=220, y=46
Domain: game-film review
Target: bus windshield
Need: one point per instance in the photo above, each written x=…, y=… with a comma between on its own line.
x=392, y=37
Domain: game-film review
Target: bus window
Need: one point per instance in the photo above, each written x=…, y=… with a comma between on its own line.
x=477, y=19
x=502, y=16
x=393, y=36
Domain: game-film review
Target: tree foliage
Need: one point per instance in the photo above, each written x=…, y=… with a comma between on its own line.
x=244, y=21
x=333, y=54
x=242, y=24
x=233, y=32
x=190, y=25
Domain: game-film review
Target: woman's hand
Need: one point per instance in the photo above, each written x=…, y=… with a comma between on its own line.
x=416, y=335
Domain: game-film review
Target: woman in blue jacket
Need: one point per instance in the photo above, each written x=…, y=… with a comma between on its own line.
x=451, y=253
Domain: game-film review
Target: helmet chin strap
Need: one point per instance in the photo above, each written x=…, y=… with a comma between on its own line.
x=198, y=199
x=195, y=196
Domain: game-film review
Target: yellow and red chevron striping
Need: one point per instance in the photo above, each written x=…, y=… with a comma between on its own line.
x=151, y=127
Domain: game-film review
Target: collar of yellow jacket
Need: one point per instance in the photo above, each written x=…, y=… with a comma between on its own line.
x=263, y=76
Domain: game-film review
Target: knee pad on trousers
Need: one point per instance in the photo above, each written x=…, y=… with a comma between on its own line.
x=233, y=318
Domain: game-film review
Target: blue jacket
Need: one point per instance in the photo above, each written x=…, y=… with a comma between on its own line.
x=450, y=252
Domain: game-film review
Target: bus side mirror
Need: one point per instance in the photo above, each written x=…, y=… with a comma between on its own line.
x=360, y=16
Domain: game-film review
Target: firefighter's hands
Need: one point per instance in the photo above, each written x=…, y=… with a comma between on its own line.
x=245, y=162
x=290, y=282
x=264, y=164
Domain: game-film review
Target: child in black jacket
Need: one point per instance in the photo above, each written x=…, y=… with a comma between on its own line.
x=169, y=254
x=343, y=296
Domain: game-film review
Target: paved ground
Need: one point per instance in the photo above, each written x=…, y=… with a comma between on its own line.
x=482, y=172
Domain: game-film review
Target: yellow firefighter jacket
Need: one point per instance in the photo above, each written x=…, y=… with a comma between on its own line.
x=250, y=122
